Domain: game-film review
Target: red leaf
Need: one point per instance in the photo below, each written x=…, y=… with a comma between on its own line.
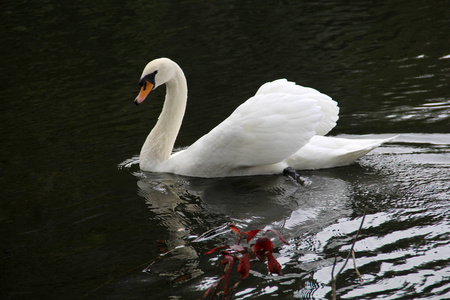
x=244, y=265
x=237, y=248
x=272, y=264
x=278, y=235
x=227, y=270
x=214, y=249
x=234, y=229
x=262, y=246
x=228, y=262
x=263, y=243
x=227, y=256
x=251, y=234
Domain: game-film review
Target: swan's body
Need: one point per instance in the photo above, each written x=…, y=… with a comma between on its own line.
x=282, y=126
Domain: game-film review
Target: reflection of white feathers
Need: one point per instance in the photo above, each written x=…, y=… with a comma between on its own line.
x=281, y=126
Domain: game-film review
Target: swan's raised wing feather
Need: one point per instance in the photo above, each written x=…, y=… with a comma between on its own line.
x=330, y=109
x=266, y=129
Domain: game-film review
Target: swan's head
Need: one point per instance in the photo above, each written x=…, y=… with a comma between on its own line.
x=156, y=73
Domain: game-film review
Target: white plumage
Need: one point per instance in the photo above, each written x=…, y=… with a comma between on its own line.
x=281, y=126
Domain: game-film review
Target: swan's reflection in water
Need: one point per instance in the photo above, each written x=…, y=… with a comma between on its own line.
x=170, y=212
x=187, y=208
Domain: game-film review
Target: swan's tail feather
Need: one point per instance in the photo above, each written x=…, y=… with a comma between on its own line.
x=328, y=152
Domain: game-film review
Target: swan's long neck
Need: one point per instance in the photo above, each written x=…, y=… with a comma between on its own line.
x=159, y=143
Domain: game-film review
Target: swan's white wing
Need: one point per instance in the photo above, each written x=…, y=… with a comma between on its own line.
x=330, y=109
x=266, y=129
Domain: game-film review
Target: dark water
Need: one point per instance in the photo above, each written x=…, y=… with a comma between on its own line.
x=79, y=220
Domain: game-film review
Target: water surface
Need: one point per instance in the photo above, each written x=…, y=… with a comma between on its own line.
x=80, y=220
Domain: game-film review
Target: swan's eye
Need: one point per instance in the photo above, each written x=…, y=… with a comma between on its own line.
x=148, y=78
x=151, y=77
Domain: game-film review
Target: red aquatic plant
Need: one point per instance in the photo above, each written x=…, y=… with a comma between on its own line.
x=261, y=249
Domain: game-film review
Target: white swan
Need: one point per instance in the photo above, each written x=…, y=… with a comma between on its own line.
x=282, y=126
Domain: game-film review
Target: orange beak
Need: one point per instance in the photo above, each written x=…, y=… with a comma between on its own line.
x=145, y=90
